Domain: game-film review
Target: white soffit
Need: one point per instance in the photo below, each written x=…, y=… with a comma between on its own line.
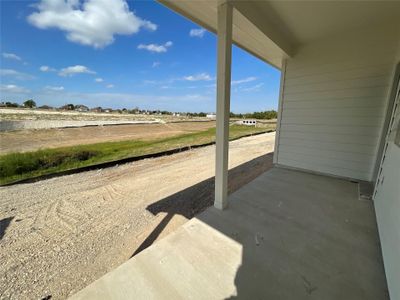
x=312, y=20
x=245, y=34
x=272, y=30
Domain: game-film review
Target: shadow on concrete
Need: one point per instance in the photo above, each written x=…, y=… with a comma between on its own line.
x=197, y=198
x=4, y=223
x=311, y=239
x=285, y=235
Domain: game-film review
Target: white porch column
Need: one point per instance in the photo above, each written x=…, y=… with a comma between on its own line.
x=224, y=59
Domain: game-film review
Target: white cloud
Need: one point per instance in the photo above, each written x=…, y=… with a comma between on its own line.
x=155, y=47
x=54, y=88
x=109, y=86
x=15, y=74
x=78, y=69
x=150, y=82
x=248, y=79
x=99, y=79
x=12, y=88
x=92, y=22
x=11, y=56
x=197, y=32
x=47, y=69
x=254, y=88
x=155, y=64
x=198, y=77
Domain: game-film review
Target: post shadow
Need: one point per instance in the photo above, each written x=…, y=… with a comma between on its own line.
x=197, y=198
x=4, y=223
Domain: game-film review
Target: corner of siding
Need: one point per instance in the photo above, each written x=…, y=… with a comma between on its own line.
x=280, y=108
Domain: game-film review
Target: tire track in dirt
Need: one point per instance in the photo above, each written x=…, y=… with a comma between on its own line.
x=59, y=217
x=75, y=228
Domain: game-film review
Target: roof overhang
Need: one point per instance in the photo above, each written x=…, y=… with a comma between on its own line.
x=258, y=37
x=273, y=30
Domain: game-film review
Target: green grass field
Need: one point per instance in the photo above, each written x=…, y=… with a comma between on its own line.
x=18, y=166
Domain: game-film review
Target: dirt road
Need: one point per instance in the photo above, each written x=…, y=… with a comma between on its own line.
x=30, y=140
x=59, y=235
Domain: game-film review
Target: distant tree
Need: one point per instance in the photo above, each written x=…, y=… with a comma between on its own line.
x=45, y=107
x=9, y=104
x=68, y=107
x=30, y=103
x=165, y=112
x=200, y=114
x=135, y=110
x=233, y=115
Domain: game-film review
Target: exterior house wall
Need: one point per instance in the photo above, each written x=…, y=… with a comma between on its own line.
x=387, y=207
x=387, y=196
x=333, y=103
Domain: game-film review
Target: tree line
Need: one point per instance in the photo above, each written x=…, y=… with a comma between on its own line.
x=30, y=103
x=264, y=115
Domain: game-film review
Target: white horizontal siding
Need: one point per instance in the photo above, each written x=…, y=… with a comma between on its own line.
x=355, y=102
x=378, y=91
x=334, y=102
x=338, y=84
x=331, y=120
x=333, y=138
x=330, y=153
x=323, y=168
x=328, y=161
x=335, y=111
x=359, y=72
x=332, y=129
x=320, y=145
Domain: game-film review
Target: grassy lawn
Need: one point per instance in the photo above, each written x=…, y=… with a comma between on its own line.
x=17, y=166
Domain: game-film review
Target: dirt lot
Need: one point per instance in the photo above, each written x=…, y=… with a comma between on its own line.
x=30, y=140
x=59, y=235
x=19, y=114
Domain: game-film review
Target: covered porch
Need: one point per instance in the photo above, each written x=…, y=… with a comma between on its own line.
x=300, y=230
x=286, y=235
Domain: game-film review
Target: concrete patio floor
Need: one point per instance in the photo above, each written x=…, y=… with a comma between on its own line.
x=286, y=235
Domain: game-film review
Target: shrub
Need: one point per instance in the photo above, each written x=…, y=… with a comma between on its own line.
x=20, y=163
x=30, y=103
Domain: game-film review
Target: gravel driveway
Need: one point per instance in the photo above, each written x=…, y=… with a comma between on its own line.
x=60, y=234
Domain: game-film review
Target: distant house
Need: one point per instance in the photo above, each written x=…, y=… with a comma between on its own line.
x=211, y=116
x=107, y=110
x=46, y=107
x=96, y=109
x=68, y=107
x=81, y=108
x=247, y=122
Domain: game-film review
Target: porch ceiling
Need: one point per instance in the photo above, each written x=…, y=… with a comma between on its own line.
x=272, y=30
x=245, y=34
x=311, y=20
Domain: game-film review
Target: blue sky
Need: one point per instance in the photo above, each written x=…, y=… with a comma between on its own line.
x=120, y=54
